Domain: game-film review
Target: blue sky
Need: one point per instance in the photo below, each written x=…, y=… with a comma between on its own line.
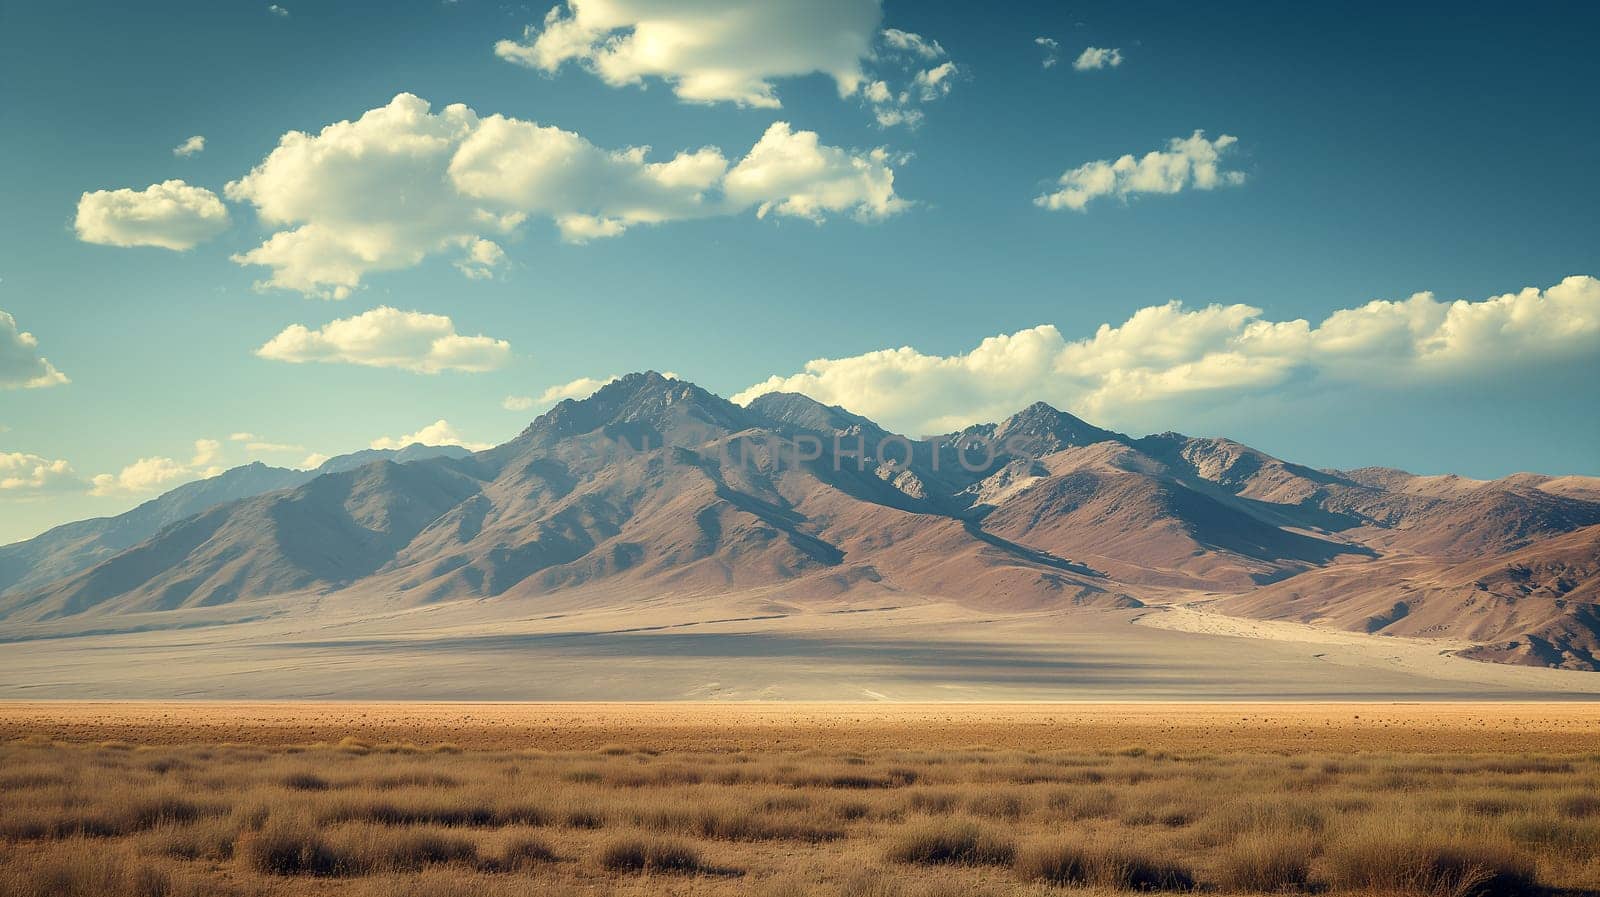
x=1379, y=154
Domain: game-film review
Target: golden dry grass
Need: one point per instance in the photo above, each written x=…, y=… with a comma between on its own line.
x=1480, y=727
x=827, y=815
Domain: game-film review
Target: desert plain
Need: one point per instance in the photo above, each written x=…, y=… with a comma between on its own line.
x=745, y=646
x=828, y=799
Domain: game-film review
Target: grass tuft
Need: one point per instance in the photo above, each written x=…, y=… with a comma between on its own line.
x=645, y=853
x=1428, y=865
x=1267, y=861
x=1071, y=864
x=294, y=847
x=305, y=781
x=959, y=841
x=525, y=852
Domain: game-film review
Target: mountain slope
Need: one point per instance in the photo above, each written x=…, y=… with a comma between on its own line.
x=325, y=533
x=652, y=483
x=67, y=549
x=653, y=489
x=1132, y=516
x=1534, y=606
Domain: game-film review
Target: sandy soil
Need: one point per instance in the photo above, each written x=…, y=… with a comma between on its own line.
x=751, y=647
x=1428, y=657
x=1524, y=728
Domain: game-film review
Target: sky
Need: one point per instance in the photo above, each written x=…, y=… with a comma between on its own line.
x=248, y=231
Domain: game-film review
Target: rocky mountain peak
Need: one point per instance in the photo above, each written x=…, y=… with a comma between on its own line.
x=646, y=404
x=1041, y=428
x=802, y=411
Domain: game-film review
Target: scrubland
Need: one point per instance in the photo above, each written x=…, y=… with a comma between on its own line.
x=359, y=816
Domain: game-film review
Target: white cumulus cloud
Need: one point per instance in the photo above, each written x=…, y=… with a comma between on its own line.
x=793, y=173
x=1191, y=162
x=21, y=365
x=171, y=215
x=389, y=338
x=1051, y=47
x=518, y=403
x=481, y=259
x=402, y=183
x=708, y=51
x=915, y=44
x=189, y=147
x=143, y=476
x=156, y=474
x=440, y=432
x=1166, y=353
x=715, y=51
x=24, y=474
x=580, y=388
x=360, y=196
x=1097, y=58
x=207, y=452
x=918, y=74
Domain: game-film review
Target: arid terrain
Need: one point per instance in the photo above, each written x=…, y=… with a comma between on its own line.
x=654, y=541
x=799, y=799
x=755, y=646
x=799, y=448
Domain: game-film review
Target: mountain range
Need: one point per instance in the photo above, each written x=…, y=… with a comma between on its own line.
x=653, y=486
x=66, y=549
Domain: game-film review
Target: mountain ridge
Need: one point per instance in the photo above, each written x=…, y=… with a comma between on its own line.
x=653, y=485
x=70, y=547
